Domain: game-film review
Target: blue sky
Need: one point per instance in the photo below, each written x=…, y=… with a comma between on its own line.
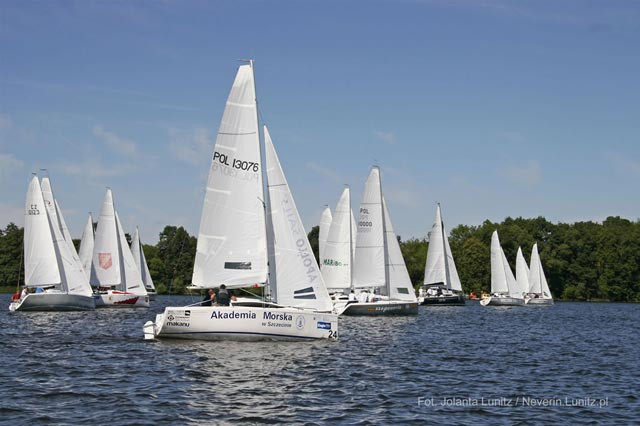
x=494, y=108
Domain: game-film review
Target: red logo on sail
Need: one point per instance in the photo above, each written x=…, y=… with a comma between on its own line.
x=105, y=260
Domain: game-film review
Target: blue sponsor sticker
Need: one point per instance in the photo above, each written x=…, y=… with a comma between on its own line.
x=324, y=325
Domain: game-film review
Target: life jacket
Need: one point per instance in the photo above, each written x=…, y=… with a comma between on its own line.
x=222, y=298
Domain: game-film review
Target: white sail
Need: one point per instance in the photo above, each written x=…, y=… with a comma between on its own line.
x=511, y=279
x=453, y=271
x=354, y=233
x=338, y=255
x=65, y=231
x=522, y=274
x=86, y=247
x=435, y=270
x=537, y=281
x=323, y=232
x=141, y=262
x=106, y=257
x=400, y=286
x=369, y=262
x=231, y=245
x=73, y=278
x=40, y=262
x=440, y=266
x=499, y=267
x=297, y=276
x=131, y=279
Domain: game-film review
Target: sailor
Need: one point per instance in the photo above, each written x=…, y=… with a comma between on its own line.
x=352, y=296
x=208, y=298
x=363, y=296
x=25, y=292
x=223, y=296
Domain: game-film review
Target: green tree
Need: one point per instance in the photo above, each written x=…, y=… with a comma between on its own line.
x=11, y=266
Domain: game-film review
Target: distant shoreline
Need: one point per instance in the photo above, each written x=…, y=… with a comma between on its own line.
x=11, y=290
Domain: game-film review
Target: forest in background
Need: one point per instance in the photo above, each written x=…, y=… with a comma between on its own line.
x=582, y=261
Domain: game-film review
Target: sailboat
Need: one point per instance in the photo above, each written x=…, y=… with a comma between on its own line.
x=379, y=272
x=504, y=289
x=86, y=247
x=50, y=267
x=539, y=293
x=336, y=267
x=323, y=232
x=141, y=263
x=250, y=237
x=522, y=275
x=115, y=274
x=442, y=285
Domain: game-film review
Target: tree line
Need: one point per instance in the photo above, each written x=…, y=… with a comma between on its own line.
x=582, y=261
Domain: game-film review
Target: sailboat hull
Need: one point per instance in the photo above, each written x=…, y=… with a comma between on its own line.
x=119, y=299
x=502, y=301
x=53, y=302
x=539, y=301
x=449, y=300
x=382, y=308
x=241, y=323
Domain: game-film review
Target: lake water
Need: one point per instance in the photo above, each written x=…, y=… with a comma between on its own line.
x=581, y=359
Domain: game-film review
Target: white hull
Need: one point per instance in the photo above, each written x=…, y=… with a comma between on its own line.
x=118, y=299
x=53, y=302
x=540, y=301
x=241, y=324
x=502, y=301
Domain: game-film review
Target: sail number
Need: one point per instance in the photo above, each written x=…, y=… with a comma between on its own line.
x=235, y=163
x=33, y=210
x=333, y=334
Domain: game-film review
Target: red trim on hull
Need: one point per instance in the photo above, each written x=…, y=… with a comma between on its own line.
x=127, y=302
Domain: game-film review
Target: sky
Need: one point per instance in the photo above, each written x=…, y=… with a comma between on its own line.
x=493, y=108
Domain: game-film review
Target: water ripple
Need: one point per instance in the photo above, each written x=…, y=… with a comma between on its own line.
x=71, y=368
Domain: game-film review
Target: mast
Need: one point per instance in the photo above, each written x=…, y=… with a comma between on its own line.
x=384, y=240
x=350, y=241
x=447, y=275
x=266, y=201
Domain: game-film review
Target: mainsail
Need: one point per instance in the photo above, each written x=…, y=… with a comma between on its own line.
x=106, y=257
x=40, y=261
x=370, y=258
x=323, y=232
x=297, y=276
x=86, y=247
x=338, y=253
x=440, y=266
x=231, y=246
x=501, y=275
x=522, y=274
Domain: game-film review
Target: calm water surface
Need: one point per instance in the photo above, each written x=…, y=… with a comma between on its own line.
x=95, y=367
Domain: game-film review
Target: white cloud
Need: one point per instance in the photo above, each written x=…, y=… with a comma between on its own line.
x=388, y=137
x=95, y=169
x=528, y=174
x=116, y=143
x=9, y=165
x=326, y=172
x=194, y=147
